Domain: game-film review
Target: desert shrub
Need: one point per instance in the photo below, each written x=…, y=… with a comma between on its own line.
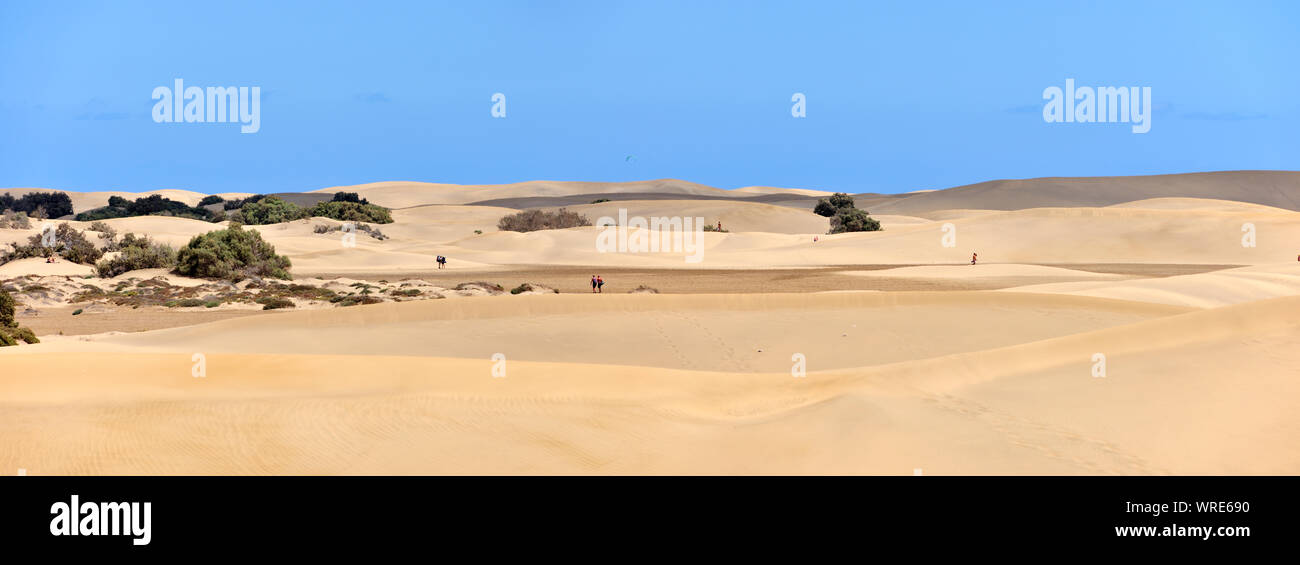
x=7, y=309
x=212, y=304
x=105, y=231
x=210, y=200
x=137, y=253
x=643, y=289
x=853, y=220
x=533, y=220
x=529, y=287
x=50, y=204
x=599, y=200
x=240, y=202
x=10, y=332
x=350, y=212
x=275, y=303
x=271, y=210
x=77, y=312
x=373, y=231
x=349, y=197
x=69, y=243
x=185, y=303
x=15, y=220
x=478, y=232
x=153, y=205
x=829, y=207
x=232, y=254
x=824, y=208
x=491, y=287
x=355, y=300
x=713, y=228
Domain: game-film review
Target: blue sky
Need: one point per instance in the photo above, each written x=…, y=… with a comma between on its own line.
x=900, y=95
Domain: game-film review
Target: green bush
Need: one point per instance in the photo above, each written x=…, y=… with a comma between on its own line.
x=14, y=220
x=77, y=312
x=271, y=210
x=275, y=302
x=829, y=207
x=350, y=212
x=52, y=204
x=212, y=304
x=349, y=197
x=210, y=200
x=10, y=332
x=7, y=310
x=533, y=220
x=153, y=205
x=233, y=254
x=137, y=253
x=853, y=220
x=68, y=243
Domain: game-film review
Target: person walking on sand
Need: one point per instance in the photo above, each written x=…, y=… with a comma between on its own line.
x=442, y=261
x=600, y=284
x=974, y=257
x=593, y=284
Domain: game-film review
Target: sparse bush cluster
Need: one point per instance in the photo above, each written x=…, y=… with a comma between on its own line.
x=10, y=332
x=69, y=243
x=530, y=287
x=844, y=215
x=210, y=200
x=274, y=302
x=39, y=205
x=15, y=220
x=137, y=253
x=346, y=207
x=373, y=231
x=232, y=254
x=153, y=205
x=534, y=220
x=240, y=202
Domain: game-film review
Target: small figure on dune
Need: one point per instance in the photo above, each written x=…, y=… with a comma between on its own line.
x=442, y=262
x=719, y=225
x=974, y=257
x=600, y=284
x=593, y=283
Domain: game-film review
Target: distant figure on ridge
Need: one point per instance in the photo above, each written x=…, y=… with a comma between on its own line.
x=974, y=257
x=593, y=283
x=600, y=284
x=442, y=261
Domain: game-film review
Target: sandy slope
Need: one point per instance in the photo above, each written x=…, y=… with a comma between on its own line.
x=1271, y=188
x=407, y=194
x=980, y=271
x=751, y=333
x=1202, y=290
x=1180, y=394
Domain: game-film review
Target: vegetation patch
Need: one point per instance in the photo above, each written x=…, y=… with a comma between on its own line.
x=534, y=220
x=232, y=254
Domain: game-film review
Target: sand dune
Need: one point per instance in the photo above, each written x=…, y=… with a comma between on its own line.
x=981, y=270
x=407, y=194
x=751, y=333
x=1024, y=408
x=734, y=216
x=1271, y=188
x=1199, y=369
x=1202, y=290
